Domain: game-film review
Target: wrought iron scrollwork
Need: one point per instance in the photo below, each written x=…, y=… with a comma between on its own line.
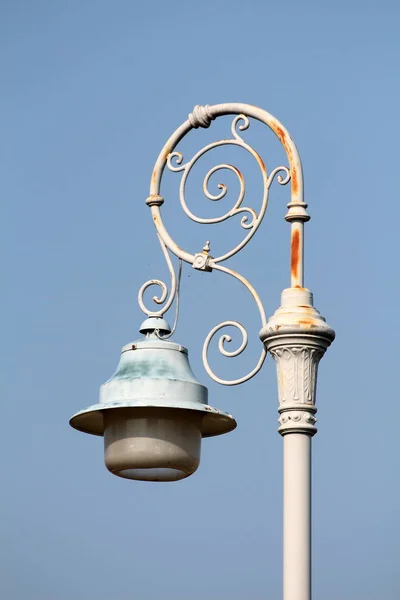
x=173, y=160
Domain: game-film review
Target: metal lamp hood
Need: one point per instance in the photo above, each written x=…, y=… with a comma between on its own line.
x=154, y=374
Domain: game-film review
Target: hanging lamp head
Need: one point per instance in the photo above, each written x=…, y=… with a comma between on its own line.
x=153, y=412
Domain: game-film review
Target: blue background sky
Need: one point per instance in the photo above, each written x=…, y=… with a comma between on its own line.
x=90, y=92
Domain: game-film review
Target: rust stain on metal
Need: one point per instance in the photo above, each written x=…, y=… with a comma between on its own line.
x=307, y=322
x=295, y=254
x=306, y=309
x=295, y=183
x=166, y=152
x=281, y=134
x=283, y=137
x=240, y=175
x=154, y=176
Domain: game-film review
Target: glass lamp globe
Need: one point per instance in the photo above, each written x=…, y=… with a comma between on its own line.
x=159, y=445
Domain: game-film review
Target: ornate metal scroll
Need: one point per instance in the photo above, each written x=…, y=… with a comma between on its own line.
x=250, y=221
x=162, y=298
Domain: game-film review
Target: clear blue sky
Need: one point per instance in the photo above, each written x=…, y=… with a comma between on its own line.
x=90, y=92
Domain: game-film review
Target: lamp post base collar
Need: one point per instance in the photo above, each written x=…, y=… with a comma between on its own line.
x=297, y=315
x=297, y=337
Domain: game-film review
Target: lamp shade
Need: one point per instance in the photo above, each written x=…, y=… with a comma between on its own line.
x=153, y=412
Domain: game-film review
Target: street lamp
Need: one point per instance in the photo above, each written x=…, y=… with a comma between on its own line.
x=153, y=412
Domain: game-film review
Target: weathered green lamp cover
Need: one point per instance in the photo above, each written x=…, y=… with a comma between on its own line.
x=153, y=412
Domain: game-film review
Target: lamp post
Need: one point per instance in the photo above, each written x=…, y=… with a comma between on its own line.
x=153, y=412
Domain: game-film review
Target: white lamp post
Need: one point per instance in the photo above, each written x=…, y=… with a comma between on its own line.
x=153, y=412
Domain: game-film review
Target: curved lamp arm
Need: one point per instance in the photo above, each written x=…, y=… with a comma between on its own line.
x=202, y=116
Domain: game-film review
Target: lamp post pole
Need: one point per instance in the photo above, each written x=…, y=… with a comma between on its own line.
x=297, y=338
x=143, y=401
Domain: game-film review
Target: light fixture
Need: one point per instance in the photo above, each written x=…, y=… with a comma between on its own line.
x=153, y=412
